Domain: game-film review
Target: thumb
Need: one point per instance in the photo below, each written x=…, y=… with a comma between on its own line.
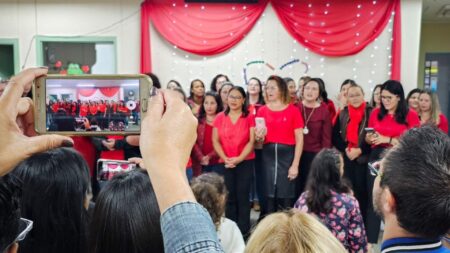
x=43, y=143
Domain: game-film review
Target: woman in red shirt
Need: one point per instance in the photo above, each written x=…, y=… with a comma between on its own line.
x=233, y=138
x=84, y=109
x=317, y=131
x=429, y=111
x=204, y=158
x=283, y=143
x=389, y=122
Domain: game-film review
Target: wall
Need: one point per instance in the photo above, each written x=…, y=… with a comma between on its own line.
x=23, y=19
x=435, y=39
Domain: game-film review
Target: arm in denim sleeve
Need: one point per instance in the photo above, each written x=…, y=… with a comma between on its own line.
x=187, y=227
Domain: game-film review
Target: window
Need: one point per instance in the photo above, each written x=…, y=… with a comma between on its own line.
x=9, y=55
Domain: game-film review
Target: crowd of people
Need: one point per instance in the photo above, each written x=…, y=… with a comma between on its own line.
x=324, y=175
x=105, y=114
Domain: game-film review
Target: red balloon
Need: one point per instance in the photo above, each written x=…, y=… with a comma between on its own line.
x=85, y=68
x=58, y=64
x=63, y=72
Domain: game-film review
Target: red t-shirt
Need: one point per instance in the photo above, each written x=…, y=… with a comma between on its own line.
x=281, y=124
x=207, y=144
x=331, y=109
x=389, y=127
x=84, y=110
x=443, y=123
x=113, y=154
x=234, y=137
x=102, y=108
x=93, y=109
x=253, y=108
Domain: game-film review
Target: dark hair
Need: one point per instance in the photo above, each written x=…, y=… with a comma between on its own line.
x=324, y=177
x=347, y=81
x=260, y=95
x=126, y=216
x=282, y=86
x=396, y=88
x=372, y=99
x=202, y=112
x=55, y=185
x=244, y=106
x=416, y=90
x=175, y=82
x=424, y=210
x=318, y=81
x=214, y=81
x=191, y=94
x=323, y=91
x=208, y=189
x=288, y=79
x=9, y=212
x=155, y=80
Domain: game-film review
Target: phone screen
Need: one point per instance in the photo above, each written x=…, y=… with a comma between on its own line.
x=101, y=105
x=107, y=169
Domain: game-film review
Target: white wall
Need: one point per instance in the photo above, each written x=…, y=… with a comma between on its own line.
x=67, y=18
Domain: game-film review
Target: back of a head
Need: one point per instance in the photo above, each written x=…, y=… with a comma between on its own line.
x=417, y=173
x=292, y=231
x=55, y=184
x=210, y=191
x=9, y=211
x=126, y=216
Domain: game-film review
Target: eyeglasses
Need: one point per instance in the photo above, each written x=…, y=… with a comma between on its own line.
x=234, y=98
x=374, y=168
x=28, y=224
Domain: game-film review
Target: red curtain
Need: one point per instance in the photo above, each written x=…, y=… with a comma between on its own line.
x=86, y=92
x=326, y=27
x=110, y=91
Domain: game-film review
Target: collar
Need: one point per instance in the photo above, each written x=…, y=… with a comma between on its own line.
x=410, y=244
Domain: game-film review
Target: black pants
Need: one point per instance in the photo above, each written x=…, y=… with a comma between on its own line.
x=357, y=175
x=278, y=204
x=259, y=175
x=373, y=220
x=238, y=181
x=305, y=164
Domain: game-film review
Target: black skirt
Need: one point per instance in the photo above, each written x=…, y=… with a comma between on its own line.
x=276, y=161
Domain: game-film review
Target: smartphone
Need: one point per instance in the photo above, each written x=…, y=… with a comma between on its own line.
x=260, y=122
x=90, y=104
x=369, y=130
x=107, y=169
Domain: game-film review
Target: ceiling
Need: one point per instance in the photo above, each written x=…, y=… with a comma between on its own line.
x=436, y=11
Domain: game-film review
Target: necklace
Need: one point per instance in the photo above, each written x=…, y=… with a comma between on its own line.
x=306, y=130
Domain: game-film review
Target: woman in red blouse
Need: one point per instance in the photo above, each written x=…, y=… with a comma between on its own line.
x=429, y=111
x=233, y=138
x=389, y=122
x=317, y=130
x=204, y=158
x=283, y=143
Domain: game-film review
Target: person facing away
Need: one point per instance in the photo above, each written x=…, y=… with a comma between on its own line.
x=126, y=216
x=412, y=192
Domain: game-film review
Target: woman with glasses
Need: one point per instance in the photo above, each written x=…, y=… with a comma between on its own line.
x=233, y=138
x=282, y=136
x=55, y=196
x=349, y=139
x=389, y=122
x=317, y=130
x=429, y=111
x=330, y=199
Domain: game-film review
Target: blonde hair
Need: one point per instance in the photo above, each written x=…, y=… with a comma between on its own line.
x=292, y=231
x=435, y=108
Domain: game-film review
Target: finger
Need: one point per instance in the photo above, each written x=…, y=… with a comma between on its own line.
x=18, y=85
x=155, y=106
x=135, y=160
x=43, y=143
x=25, y=111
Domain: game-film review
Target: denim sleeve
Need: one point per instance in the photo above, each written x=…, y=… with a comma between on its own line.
x=187, y=227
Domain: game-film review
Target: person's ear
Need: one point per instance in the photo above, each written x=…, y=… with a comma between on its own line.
x=13, y=248
x=389, y=202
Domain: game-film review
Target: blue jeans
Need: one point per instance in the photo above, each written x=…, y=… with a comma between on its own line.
x=217, y=168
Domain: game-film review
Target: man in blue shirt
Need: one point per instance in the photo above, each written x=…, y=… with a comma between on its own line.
x=412, y=192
